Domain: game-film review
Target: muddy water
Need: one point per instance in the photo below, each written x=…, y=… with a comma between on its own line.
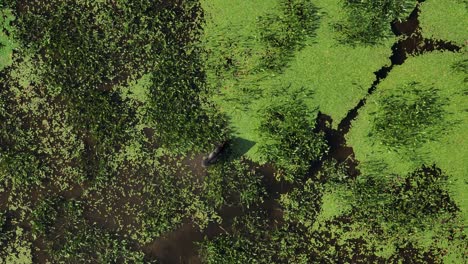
x=179, y=246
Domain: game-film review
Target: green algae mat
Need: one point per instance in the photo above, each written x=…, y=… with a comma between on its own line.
x=233, y=131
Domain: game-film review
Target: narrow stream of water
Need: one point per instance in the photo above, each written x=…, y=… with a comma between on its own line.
x=411, y=43
x=179, y=246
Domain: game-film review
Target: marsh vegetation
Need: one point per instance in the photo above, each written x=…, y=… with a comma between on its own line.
x=336, y=130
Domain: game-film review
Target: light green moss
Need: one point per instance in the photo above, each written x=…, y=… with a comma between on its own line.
x=339, y=75
x=449, y=151
x=334, y=203
x=6, y=42
x=19, y=250
x=445, y=20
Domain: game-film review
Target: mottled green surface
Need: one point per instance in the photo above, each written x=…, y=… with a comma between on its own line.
x=103, y=111
x=6, y=43
x=437, y=69
x=338, y=75
x=445, y=19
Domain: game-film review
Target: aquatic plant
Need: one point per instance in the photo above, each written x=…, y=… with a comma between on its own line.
x=290, y=142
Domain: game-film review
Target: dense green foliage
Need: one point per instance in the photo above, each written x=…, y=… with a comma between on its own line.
x=412, y=202
x=384, y=211
x=233, y=183
x=67, y=123
x=77, y=240
x=286, y=32
x=367, y=22
x=84, y=56
x=15, y=248
x=186, y=120
x=302, y=205
x=410, y=116
x=87, y=44
x=109, y=108
x=290, y=141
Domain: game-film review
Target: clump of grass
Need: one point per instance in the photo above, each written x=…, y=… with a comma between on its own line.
x=233, y=183
x=285, y=32
x=403, y=203
x=302, y=204
x=410, y=117
x=368, y=21
x=287, y=128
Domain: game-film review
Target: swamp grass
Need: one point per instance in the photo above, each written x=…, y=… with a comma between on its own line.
x=445, y=19
x=338, y=75
x=6, y=42
x=448, y=134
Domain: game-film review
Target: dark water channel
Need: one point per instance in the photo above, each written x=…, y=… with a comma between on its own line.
x=179, y=246
x=411, y=43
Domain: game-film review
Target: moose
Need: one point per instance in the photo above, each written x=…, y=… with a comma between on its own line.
x=214, y=155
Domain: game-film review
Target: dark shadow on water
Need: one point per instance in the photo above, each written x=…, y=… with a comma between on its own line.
x=240, y=146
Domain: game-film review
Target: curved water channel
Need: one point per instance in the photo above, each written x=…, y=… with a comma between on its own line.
x=179, y=246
